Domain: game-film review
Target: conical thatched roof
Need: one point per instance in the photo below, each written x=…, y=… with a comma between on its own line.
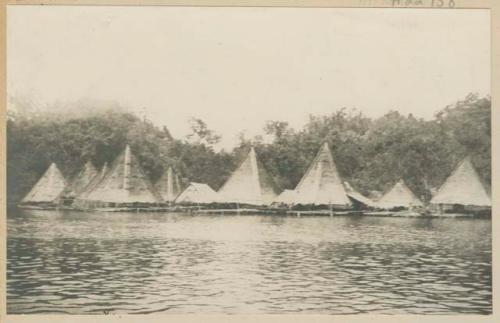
x=94, y=182
x=321, y=184
x=399, y=196
x=81, y=181
x=81, y=199
x=249, y=184
x=125, y=182
x=168, y=185
x=197, y=193
x=286, y=197
x=355, y=195
x=48, y=188
x=463, y=187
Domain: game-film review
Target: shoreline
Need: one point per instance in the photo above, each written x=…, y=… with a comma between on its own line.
x=261, y=211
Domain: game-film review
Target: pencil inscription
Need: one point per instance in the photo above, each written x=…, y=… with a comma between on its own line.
x=423, y=3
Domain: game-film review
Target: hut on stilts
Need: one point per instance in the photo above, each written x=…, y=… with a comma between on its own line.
x=357, y=199
x=168, y=186
x=462, y=192
x=321, y=186
x=286, y=198
x=96, y=180
x=79, y=183
x=249, y=185
x=47, y=192
x=124, y=186
x=399, y=197
x=80, y=200
x=196, y=194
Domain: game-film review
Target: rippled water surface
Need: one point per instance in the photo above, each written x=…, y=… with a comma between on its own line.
x=84, y=263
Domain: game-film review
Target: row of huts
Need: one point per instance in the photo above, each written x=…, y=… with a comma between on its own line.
x=124, y=184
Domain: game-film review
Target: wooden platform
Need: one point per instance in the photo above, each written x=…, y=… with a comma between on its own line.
x=37, y=207
x=236, y=211
x=125, y=209
x=451, y=215
x=322, y=213
x=393, y=214
x=257, y=211
x=413, y=214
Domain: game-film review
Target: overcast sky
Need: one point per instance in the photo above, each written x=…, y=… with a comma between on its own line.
x=235, y=68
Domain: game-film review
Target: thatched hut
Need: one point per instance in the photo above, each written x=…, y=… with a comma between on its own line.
x=197, y=193
x=81, y=181
x=463, y=189
x=124, y=185
x=399, y=196
x=48, y=190
x=168, y=185
x=249, y=184
x=321, y=185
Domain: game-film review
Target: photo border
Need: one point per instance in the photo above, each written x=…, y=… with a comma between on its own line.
x=492, y=5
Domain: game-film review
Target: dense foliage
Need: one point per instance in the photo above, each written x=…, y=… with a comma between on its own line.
x=371, y=154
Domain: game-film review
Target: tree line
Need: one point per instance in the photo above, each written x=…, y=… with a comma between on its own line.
x=372, y=154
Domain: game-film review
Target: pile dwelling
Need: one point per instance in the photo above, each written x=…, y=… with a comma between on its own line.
x=197, y=194
x=80, y=183
x=124, y=185
x=48, y=191
x=250, y=184
x=399, y=197
x=80, y=199
x=321, y=186
x=358, y=200
x=168, y=186
x=286, y=198
x=462, y=191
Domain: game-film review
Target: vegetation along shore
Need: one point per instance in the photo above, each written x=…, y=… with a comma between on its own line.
x=347, y=155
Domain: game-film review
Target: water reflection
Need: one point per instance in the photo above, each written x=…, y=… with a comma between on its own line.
x=72, y=262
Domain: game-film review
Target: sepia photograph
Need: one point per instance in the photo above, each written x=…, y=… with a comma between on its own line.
x=248, y=160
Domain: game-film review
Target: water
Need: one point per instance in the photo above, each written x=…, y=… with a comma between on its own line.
x=95, y=263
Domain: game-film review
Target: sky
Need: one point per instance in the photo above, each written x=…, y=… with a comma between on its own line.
x=236, y=68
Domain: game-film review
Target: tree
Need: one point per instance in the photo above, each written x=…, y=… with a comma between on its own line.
x=372, y=154
x=201, y=134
